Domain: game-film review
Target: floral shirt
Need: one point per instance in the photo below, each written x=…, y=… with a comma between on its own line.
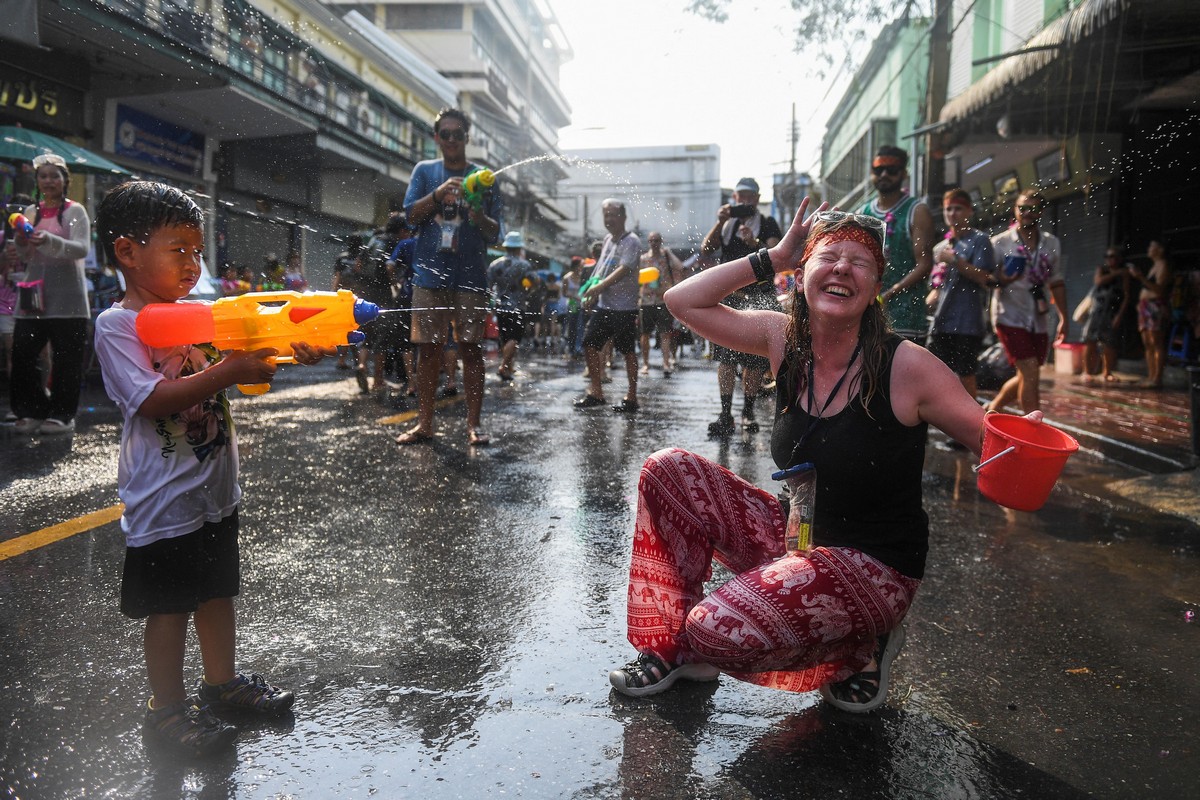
x=1014, y=305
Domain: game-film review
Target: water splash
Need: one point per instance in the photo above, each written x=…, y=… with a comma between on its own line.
x=573, y=160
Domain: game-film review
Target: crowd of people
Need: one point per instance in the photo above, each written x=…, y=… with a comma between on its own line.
x=864, y=328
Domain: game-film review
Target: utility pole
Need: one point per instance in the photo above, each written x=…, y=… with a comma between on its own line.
x=935, y=98
x=792, y=201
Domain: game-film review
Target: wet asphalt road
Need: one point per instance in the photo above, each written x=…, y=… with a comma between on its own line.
x=448, y=616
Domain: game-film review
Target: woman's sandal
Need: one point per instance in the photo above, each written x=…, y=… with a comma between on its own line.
x=866, y=691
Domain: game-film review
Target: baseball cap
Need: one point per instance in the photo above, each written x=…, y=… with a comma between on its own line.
x=747, y=185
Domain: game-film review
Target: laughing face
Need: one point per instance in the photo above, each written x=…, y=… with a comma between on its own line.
x=840, y=279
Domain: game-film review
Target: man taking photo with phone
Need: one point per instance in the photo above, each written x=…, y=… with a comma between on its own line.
x=740, y=231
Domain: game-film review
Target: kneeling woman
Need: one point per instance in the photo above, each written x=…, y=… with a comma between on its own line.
x=853, y=399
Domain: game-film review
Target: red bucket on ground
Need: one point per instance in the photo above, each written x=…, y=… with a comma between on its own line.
x=1027, y=458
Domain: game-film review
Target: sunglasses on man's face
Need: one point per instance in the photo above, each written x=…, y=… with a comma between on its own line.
x=453, y=135
x=887, y=170
x=1029, y=209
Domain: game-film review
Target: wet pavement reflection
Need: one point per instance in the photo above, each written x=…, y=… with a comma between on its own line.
x=447, y=617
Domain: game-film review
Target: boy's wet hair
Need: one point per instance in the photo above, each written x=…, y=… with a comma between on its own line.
x=136, y=209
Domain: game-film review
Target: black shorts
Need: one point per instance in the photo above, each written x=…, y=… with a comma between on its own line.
x=511, y=324
x=176, y=575
x=723, y=355
x=655, y=318
x=959, y=352
x=619, y=326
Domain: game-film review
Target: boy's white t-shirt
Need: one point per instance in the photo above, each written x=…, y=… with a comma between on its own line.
x=175, y=473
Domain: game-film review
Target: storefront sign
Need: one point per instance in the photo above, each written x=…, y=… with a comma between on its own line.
x=24, y=97
x=158, y=143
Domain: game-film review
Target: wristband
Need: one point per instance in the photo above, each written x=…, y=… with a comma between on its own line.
x=760, y=262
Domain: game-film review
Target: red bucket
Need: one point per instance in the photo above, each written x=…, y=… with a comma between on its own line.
x=1021, y=460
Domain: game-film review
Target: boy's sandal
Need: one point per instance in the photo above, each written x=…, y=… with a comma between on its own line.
x=866, y=691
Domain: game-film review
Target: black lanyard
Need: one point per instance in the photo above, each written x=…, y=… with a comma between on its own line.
x=813, y=419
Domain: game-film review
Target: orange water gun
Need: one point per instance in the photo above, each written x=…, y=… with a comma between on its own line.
x=21, y=223
x=259, y=319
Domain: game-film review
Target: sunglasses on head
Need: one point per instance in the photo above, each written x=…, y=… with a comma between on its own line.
x=887, y=170
x=868, y=223
x=452, y=135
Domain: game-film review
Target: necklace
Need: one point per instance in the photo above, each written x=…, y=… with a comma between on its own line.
x=813, y=419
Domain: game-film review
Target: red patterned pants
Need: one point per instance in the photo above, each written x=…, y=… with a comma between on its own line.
x=792, y=623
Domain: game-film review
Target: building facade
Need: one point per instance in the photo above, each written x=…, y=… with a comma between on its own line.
x=1095, y=103
x=290, y=127
x=504, y=57
x=883, y=105
x=673, y=189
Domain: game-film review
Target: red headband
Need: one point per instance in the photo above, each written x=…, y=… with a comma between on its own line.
x=851, y=233
x=888, y=161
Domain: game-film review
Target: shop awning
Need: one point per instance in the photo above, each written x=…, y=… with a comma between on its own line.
x=1034, y=56
x=22, y=144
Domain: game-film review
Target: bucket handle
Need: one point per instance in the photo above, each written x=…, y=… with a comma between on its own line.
x=1003, y=452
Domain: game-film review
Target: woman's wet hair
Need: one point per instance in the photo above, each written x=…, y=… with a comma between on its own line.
x=136, y=209
x=875, y=328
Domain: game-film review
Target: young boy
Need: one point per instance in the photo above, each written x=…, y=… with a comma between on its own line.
x=178, y=470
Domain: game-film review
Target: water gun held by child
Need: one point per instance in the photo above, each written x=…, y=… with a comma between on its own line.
x=257, y=320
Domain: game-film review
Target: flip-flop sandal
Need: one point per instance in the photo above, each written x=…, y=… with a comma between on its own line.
x=413, y=437
x=477, y=439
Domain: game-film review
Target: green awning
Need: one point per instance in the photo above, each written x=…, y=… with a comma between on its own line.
x=22, y=144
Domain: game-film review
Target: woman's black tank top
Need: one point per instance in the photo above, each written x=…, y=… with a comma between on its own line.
x=868, y=471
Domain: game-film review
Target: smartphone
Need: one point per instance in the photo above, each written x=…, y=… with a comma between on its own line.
x=742, y=210
x=1014, y=265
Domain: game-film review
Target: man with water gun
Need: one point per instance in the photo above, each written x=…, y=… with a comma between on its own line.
x=449, y=270
x=613, y=288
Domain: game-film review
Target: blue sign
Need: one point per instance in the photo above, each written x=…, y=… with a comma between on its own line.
x=158, y=143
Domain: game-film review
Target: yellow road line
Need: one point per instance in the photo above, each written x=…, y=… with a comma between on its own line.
x=32, y=541
x=405, y=416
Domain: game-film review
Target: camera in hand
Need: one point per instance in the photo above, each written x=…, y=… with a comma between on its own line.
x=742, y=210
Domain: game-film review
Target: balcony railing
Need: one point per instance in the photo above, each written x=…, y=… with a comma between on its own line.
x=282, y=64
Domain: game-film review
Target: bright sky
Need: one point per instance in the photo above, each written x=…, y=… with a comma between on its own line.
x=646, y=72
